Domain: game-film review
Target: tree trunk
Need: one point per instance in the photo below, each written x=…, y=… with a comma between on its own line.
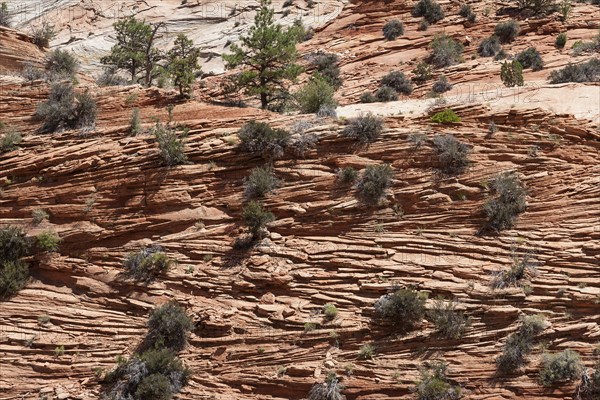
x=263, y=101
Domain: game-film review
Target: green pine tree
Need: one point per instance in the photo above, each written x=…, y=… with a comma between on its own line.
x=183, y=64
x=511, y=73
x=267, y=57
x=134, y=51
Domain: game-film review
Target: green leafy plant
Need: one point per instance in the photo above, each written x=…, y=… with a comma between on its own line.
x=315, y=94
x=561, y=40
x=367, y=351
x=330, y=311
x=48, y=241
x=347, y=175
x=10, y=139
x=39, y=215
x=445, y=117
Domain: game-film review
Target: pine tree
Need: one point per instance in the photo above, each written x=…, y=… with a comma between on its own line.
x=268, y=58
x=134, y=51
x=183, y=64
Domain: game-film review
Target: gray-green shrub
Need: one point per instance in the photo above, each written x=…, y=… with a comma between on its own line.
x=260, y=139
x=507, y=31
x=168, y=327
x=520, y=343
x=61, y=64
x=403, y=309
x=393, y=29
x=260, y=182
x=434, y=383
x=449, y=322
x=430, y=10
x=65, y=109
x=588, y=71
x=373, y=182
x=445, y=51
x=560, y=367
x=453, y=155
x=509, y=201
x=256, y=217
x=364, y=129
x=397, y=81
x=530, y=58
x=489, y=47
x=147, y=263
x=316, y=93
x=171, y=147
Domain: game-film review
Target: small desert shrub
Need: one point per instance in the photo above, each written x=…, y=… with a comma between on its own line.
x=453, y=155
x=422, y=73
x=66, y=110
x=560, y=367
x=510, y=201
x=61, y=64
x=561, y=40
x=9, y=139
x=590, y=383
x=385, y=94
x=423, y=25
x=511, y=73
x=171, y=146
x=530, y=58
x=397, y=81
x=110, y=77
x=256, y=217
x=327, y=110
x=366, y=352
x=135, y=124
x=153, y=375
x=147, y=263
x=489, y=46
x=47, y=241
x=347, y=175
x=260, y=139
x=364, y=129
x=327, y=65
x=520, y=343
x=330, y=311
x=31, y=72
x=39, y=215
x=5, y=17
x=301, y=143
x=403, y=309
x=445, y=51
x=467, y=12
x=260, y=182
x=315, y=94
x=449, y=322
x=13, y=277
x=392, y=29
x=42, y=35
x=585, y=72
x=168, y=327
x=445, y=117
x=329, y=390
x=507, y=31
x=522, y=265
x=367, y=97
x=441, y=85
x=374, y=181
x=430, y=10
x=435, y=385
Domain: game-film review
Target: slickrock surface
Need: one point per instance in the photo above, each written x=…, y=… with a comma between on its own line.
x=107, y=194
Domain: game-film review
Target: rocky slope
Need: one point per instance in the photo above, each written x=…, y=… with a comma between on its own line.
x=107, y=194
